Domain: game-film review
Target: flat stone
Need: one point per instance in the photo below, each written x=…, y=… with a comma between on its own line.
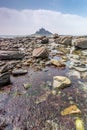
x=80, y=69
x=60, y=82
x=11, y=55
x=19, y=72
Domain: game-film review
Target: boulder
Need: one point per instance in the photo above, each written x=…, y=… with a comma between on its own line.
x=41, y=52
x=4, y=79
x=60, y=82
x=81, y=43
x=11, y=55
x=45, y=40
x=65, y=40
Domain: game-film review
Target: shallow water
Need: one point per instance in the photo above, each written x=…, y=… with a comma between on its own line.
x=19, y=109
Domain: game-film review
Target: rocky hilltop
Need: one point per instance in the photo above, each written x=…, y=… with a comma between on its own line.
x=43, y=32
x=43, y=83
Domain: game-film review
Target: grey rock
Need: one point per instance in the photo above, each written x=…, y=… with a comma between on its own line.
x=80, y=69
x=81, y=43
x=4, y=79
x=11, y=55
x=19, y=72
x=45, y=40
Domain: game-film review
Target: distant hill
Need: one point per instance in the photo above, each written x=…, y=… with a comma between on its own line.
x=42, y=32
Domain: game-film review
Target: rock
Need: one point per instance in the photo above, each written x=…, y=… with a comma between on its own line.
x=73, y=73
x=74, y=56
x=79, y=124
x=81, y=43
x=53, y=92
x=61, y=82
x=80, y=69
x=65, y=40
x=2, y=63
x=73, y=109
x=41, y=52
x=27, y=85
x=84, y=52
x=8, y=66
x=4, y=79
x=57, y=63
x=19, y=72
x=11, y=55
x=45, y=40
x=55, y=36
x=4, y=69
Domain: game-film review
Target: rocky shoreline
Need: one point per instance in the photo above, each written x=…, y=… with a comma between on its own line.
x=41, y=71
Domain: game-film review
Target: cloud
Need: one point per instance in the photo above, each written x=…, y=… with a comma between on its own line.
x=28, y=21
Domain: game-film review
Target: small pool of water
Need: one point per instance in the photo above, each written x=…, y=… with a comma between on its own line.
x=20, y=105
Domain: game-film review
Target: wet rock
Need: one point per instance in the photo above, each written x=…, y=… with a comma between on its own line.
x=19, y=72
x=53, y=92
x=81, y=43
x=74, y=74
x=65, y=40
x=27, y=85
x=79, y=124
x=4, y=79
x=43, y=97
x=45, y=40
x=80, y=69
x=57, y=63
x=73, y=109
x=61, y=82
x=41, y=52
x=11, y=55
x=45, y=70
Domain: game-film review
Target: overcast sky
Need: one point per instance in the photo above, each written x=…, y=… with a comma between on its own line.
x=58, y=16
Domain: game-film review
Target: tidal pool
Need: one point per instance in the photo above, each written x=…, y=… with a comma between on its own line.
x=20, y=111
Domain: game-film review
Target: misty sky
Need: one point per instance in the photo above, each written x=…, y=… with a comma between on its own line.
x=57, y=16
